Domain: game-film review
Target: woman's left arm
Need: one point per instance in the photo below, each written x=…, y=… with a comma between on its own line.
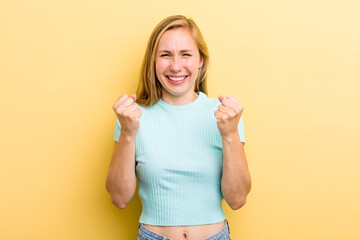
x=236, y=180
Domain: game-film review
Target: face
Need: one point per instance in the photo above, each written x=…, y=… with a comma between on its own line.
x=177, y=63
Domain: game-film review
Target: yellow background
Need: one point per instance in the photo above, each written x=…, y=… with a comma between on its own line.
x=294, y=65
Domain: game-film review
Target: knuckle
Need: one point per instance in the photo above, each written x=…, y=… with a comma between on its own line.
x=127, y=113
x=128, y=101
x=118, y=111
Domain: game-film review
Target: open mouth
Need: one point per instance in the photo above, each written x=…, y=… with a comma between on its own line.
x=177, y=80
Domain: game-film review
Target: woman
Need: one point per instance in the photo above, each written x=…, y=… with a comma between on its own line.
x=184, y=148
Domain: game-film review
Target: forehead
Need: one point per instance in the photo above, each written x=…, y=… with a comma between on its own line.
x=176, y=40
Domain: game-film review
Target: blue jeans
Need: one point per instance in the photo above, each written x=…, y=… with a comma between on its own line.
x=146, y=234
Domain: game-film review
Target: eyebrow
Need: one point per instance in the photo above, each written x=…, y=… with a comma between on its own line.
x=185, y=50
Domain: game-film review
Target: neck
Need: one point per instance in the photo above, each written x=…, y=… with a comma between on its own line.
x=179, y=100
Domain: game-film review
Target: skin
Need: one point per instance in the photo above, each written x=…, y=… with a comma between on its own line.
x=235, y=182
x=172, y=60
x=121, y=178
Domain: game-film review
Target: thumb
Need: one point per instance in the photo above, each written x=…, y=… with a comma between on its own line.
x=133, y=96
x=221, y=98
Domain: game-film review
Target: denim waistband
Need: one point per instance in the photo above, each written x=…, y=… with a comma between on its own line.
x=145, y=233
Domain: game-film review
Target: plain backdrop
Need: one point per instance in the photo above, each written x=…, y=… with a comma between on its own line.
x=294, y=65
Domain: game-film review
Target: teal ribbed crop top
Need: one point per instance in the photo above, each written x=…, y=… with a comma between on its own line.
x=179, y=163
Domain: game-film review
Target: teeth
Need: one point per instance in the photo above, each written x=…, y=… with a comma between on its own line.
x=177, y=78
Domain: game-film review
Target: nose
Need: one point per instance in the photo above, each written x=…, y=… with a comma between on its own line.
x=175, y=64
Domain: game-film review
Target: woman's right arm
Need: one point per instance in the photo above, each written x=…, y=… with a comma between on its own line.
x=121, y=178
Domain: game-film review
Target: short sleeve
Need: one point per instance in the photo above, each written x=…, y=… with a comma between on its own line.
x=241, y=130
x=117, y=130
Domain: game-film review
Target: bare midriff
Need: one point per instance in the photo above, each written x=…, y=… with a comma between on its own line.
x=191, y=232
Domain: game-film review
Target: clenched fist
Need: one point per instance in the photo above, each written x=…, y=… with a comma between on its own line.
x=228, y=115
x=128, y=113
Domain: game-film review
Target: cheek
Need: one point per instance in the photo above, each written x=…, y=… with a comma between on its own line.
x=191, y=65
x=160, y=65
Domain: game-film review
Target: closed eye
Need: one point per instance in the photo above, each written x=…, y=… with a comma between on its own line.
x=164, y=55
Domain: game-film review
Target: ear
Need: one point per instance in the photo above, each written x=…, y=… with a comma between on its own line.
x=201, y=63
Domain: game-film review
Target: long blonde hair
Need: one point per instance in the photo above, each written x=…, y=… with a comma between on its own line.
x=149, y=89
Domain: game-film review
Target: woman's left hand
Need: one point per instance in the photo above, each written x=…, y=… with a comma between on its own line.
x=228, y=116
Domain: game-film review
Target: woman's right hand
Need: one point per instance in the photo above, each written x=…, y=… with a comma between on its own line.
x=128, y=114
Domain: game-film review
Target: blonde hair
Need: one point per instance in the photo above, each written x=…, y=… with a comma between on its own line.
x=149, y=89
